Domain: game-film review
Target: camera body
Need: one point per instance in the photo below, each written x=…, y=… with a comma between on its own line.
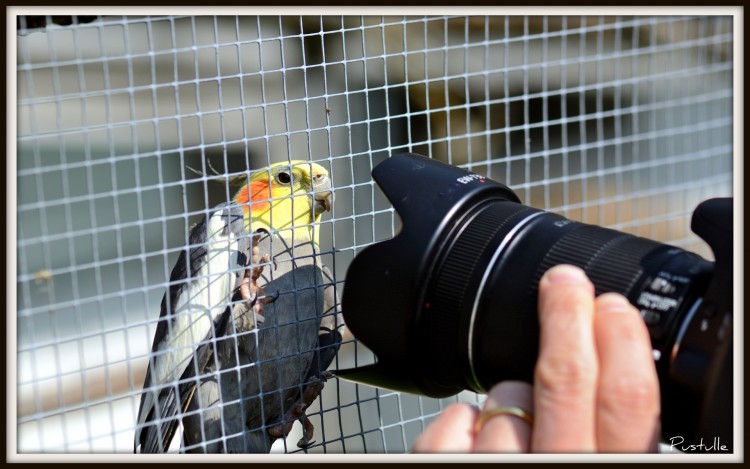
x=449, y=303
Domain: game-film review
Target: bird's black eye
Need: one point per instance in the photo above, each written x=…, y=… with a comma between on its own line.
x=284, y=177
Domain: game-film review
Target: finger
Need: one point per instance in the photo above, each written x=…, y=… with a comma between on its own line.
x=505, y=433
x=451, y=432
x=628, y=397
x=565, y=376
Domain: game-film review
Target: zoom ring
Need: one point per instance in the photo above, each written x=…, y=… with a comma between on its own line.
x=453, y=277
x=612, y=260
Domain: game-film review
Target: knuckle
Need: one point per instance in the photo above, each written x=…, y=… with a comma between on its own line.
x=638, y=395
x=565, y=375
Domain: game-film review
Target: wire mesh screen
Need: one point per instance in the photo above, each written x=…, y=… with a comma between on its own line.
x=620, y=121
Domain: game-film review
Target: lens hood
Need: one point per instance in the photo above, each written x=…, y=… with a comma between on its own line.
x=384, y=290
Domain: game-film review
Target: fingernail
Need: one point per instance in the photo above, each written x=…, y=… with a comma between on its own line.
x=566, y=274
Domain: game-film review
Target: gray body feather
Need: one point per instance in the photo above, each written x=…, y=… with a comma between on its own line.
x=260, y=373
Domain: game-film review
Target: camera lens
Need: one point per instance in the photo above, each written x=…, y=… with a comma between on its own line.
x=450, y=303
x=477, y=322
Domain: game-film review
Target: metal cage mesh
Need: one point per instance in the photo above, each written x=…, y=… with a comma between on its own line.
x=620, y=121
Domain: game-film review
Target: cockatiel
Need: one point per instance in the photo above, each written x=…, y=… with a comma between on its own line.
x=265, y=370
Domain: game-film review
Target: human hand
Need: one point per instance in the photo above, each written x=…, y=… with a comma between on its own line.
x=595, y=384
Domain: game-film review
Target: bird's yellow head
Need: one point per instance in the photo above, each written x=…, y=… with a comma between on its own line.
x=286, y=198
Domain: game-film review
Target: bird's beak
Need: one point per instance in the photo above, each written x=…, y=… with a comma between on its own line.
x=323, y=196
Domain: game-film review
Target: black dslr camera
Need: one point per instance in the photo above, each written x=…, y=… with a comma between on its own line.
x=457, y=289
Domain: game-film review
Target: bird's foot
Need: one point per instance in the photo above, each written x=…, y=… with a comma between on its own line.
x=258, y=269
x=313, y=388
x=249, y=312
x=308, y=431
x=251, y=292
x=281, y=430
x=297, y=412
x=256, y=292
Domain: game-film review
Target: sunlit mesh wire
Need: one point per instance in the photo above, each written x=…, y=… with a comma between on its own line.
x=624, y=122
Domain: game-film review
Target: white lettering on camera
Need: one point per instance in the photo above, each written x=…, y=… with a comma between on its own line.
x=468, y=178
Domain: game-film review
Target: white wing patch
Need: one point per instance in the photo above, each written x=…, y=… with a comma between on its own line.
x=206, y=297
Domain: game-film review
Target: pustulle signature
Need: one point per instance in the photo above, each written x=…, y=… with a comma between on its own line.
x=678, y=443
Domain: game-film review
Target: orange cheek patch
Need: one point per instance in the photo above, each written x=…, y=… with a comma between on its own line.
x=259, y=195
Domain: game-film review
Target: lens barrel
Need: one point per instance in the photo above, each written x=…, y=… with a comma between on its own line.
x=478, y=319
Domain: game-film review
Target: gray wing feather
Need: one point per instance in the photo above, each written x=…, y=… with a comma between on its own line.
x=273, y=361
